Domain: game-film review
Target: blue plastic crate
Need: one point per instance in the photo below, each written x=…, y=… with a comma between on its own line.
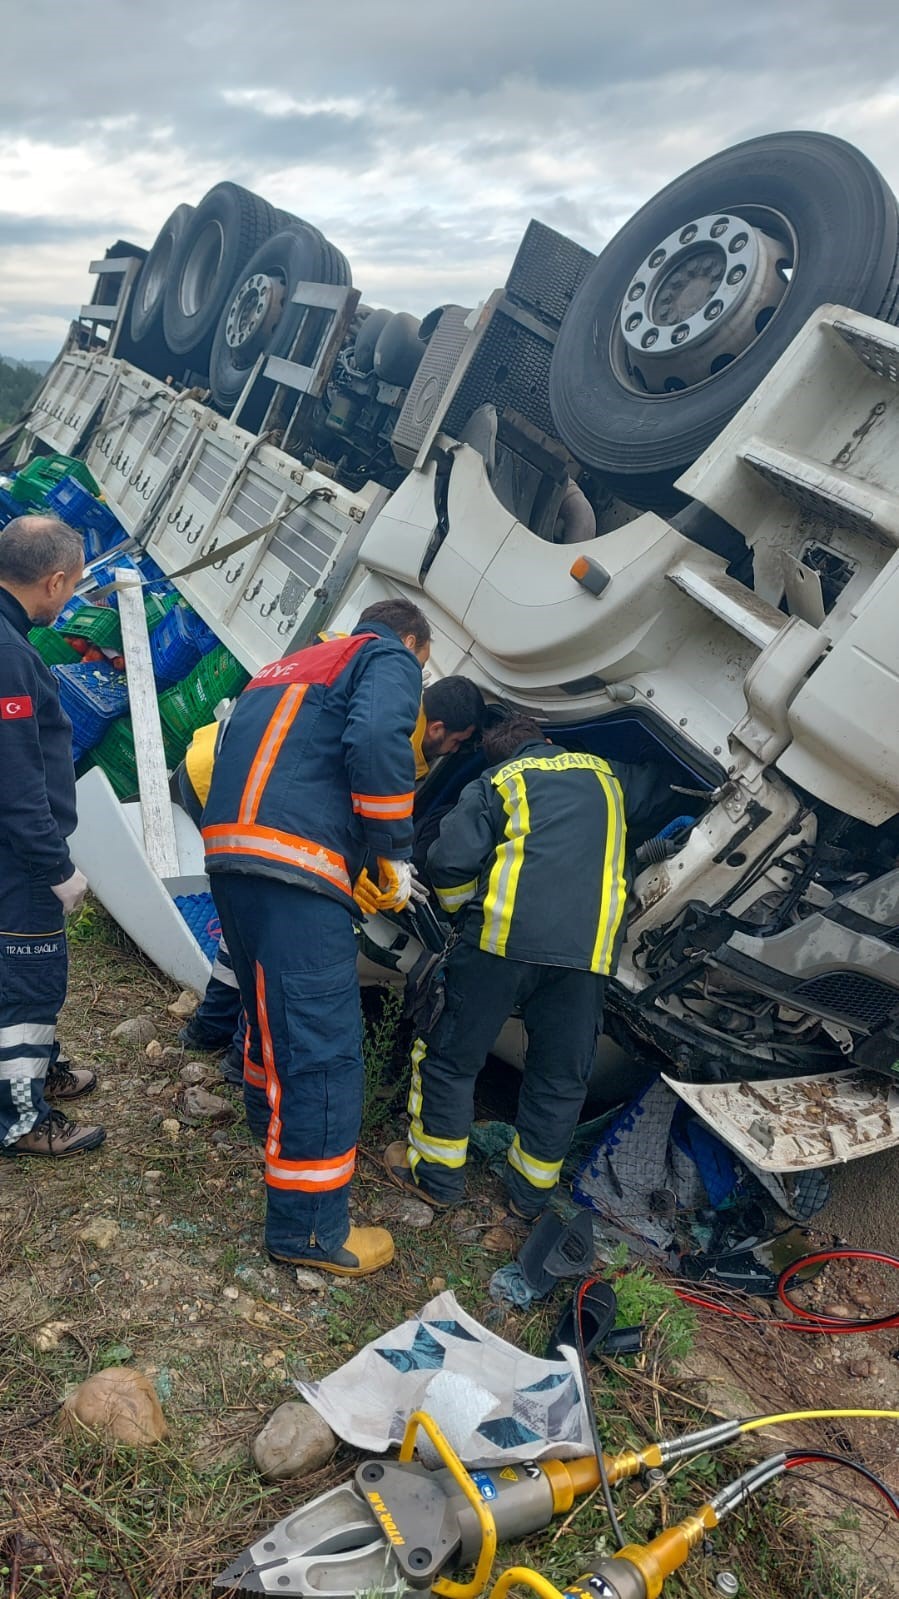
x=103, y=572
x=68, y=611
x=173, y=647
x=202, y=634
x=92, y=694
x=81, y=510
x=201, y=916
x=9, y=507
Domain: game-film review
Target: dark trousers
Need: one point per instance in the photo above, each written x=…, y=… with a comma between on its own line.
x=294, y=953
x=218, y=1017
x=562, y=1011
x=33, y=975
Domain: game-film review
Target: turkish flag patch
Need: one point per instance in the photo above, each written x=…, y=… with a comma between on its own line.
x=11, y=710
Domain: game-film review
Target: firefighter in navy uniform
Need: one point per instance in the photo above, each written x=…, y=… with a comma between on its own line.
x=532, y=861
x=41, y=562
x=309, y=815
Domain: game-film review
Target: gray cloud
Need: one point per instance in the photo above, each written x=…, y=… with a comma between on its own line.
x=420, y=139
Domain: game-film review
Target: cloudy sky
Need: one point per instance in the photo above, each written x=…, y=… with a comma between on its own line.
x=419, y=135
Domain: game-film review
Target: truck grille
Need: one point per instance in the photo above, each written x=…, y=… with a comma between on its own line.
x=860, y=999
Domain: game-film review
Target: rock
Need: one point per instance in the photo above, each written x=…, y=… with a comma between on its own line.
x=220, y=1136
x=193, y=1072
x=157, y=1088
x=137, y=1030
x=101, y=1231
x=153, y=1050
x=230, y=1292
x=411, y=1212
x=48, y=1337
x=312, y=1281
x=153, y=1174
x=437, y=1285
x=274, y=1357
x=171, y=1129
x=172, y=1052
x=118, y=1403
x=861, y=1367
x=206, y=1107
x=293, y=1442
x=185, y=1005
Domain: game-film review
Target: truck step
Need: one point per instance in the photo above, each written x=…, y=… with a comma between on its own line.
x=836, y=498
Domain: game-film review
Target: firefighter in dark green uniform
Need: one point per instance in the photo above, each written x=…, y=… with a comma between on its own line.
x=532, y=861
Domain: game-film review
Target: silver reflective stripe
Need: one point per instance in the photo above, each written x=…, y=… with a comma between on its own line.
x=25, y=1051
x=224, y=974
x=42, y=1033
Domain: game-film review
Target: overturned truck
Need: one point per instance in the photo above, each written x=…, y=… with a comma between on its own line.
x=651, y=497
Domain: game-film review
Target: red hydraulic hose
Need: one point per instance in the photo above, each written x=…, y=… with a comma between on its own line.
x=808, y=1321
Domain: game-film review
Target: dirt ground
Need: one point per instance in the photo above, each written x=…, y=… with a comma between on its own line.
x=181, y=1288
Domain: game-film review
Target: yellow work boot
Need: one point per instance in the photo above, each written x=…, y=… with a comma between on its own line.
x=396, y=1164
x=364, y=1250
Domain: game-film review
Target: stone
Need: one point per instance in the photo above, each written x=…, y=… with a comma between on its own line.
x=185, y=1005
x=171, y=1129
x=193, y=1072
x=274, y=1357
x=172, y=1052
x=230, y=1292
x=204, y=1106
x=137, y=1030
x=100, y=1231
x=293, y=1442
x=49, y=1336
x=118, y=1404
x=412, y=1212
x=158, y=1087
x=312, y=1281
x=862, y=1366
x=437, y=1285
x=153, y=1050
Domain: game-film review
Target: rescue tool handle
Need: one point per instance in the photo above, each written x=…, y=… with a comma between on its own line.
x=449, y=1458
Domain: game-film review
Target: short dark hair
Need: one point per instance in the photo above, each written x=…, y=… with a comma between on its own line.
x=402, y=616
x=34, y=547
x=456, y=702
x=504, y=738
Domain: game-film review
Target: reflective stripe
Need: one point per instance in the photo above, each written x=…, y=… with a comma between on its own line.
x=390, y=806
x=539, y=1173
x=452, y=899
x=499, y=901
x=613, y=897
x=421, y=1145
x=272, y=1085
x=311, y=1176
x=413, y=1104
x=25, y=1050
x=224, y=974
x=271, y=844
x=442, y=1151
x=267, y=753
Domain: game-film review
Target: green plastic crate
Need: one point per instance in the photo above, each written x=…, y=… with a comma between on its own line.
x=52, y=647
x=98, y=623
x=33, y=482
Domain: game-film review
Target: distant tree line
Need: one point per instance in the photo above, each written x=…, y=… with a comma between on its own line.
x=17, y=384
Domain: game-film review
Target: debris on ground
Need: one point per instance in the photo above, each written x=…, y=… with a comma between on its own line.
x=119, y=1404
x=184, y=1006
x=101, y=1232
x=294, y=1442
x=136, y=1030
x=203, y=1106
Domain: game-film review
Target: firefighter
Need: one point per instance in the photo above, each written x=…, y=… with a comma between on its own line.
x=452, y=712
x=309, y=815
x=41, y=562
x=532, y=861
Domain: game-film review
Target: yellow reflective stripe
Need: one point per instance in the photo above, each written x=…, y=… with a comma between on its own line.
x=568, y=761
x=614, y=888
x=442, y=1151
x=453, y=898
x=539, y=1173
x=499, y=901
x=413, y=1104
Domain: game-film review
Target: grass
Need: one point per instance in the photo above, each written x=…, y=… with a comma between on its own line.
x=186, y=1293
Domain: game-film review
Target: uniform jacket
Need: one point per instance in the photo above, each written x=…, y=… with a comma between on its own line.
x=314, y=770
x=533, y=855
x=38, y=810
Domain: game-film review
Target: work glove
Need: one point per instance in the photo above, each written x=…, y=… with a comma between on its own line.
x=71, y=894
x=418, y=891
x=392, y=890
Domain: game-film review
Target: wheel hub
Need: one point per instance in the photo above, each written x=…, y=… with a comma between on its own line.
x=256, y=307
x=698, y=300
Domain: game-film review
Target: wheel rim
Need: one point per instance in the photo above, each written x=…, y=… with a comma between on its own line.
x=157, y=272
x=256, y=308
x=700, y=299
x=200, y=268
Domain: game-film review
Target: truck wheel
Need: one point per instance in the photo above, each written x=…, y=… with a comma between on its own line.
x=690, y=305
x=149, y=290
x=226, y=228
x=258, y=317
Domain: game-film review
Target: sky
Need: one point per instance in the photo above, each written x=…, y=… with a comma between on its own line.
x=420, y=136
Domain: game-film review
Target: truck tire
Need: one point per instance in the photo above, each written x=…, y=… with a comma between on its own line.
x=149, y=291
x=226, y=228
x=690, y=305
x=257, y=317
